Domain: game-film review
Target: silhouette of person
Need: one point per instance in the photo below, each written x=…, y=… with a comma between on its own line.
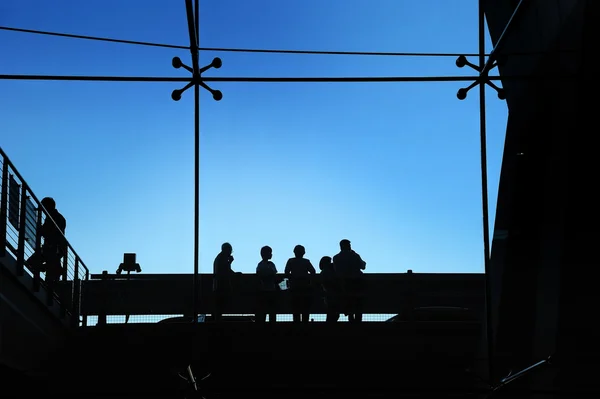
x=222, y=276
x=299, y=269
x=50, y=258
x=349, y=266
x=330, y=286
x=267, y=295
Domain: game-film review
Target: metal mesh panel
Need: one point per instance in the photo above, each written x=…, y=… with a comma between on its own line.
x=135, y=319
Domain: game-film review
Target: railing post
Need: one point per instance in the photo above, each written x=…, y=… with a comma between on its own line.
x=76, y=295
x=102, y=313
x=410, y=295
x=65, y=265
x=21, y=230
x=3, y=207
x=38, y=249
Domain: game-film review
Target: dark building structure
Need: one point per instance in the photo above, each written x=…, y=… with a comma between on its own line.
x=541, y=300
x=543, y=251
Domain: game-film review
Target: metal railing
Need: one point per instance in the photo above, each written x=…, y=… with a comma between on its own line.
x=396, y=297
x=21, y=218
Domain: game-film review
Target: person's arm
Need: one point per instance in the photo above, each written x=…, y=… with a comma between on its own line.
x=362, y=263
x=229, y=262
x=287, y=269
x=273, y=268
x=311, y=268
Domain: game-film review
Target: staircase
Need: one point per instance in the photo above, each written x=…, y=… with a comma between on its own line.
x=33, y=320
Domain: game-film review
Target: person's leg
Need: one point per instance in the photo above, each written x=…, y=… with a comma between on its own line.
x=34, y=262
x=218, y=310
x=260, y=314
x=296, y=308
x=272, y=306
x=306, y=304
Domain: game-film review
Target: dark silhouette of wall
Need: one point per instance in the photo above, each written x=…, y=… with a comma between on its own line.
x=543, y=251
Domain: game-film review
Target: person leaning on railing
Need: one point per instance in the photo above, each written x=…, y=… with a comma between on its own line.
x=54, y=249
x=349, y=266
x=222, y=274
x=331, y=289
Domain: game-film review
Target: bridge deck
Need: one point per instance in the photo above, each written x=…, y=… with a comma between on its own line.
x=285, y=358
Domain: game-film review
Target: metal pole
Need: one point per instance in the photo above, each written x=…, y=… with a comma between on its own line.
x=192, y=21
x=3, y=205
x=197, y=166
x=484, y=191
x=196, y=171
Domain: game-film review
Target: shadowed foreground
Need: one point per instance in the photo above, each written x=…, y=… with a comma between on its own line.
x=281, y=360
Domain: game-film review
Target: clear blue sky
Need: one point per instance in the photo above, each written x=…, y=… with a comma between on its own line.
x=395, y=167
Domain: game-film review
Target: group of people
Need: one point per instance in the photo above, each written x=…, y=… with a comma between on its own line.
x=341, y=283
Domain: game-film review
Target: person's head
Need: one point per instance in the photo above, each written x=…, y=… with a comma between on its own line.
x=49, y=204
x=266, y=252
x=325, y=263
x=226, y=248
x=299, y=251
x=345, y=244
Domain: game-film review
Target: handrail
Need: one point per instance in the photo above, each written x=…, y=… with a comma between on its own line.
x=38, y=202
x=22, y=237
x=512, y=377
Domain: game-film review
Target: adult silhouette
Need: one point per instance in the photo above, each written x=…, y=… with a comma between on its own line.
x=267, y=295
x=54, y=249
x=298, y=269
x=349, y=266
x=222, y=280
x=331, y=289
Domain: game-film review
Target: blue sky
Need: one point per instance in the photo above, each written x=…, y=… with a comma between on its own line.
x=394, y=167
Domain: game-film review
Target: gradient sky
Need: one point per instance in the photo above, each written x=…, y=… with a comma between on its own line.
x=394, y=167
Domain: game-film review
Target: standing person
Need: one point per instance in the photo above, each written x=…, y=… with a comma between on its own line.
x=267, y=295
x=330, y=285
x=349, y=266
x=50, y=258
x=222, y=276
x=299, y=270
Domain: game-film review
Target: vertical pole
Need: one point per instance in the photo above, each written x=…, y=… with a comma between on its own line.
x=3, y=206
x=84, y=321
x=21, y=230
x=484, y=190
x=76, y=310
x=38, y=249
x=196, y=168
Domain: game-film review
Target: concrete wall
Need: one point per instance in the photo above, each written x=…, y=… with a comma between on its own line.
x=30, y=331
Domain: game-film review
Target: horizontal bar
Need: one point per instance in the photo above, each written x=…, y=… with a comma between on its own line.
x=365, y=79
x=95, y=78
x=493, y=55
x=385, y=293
x=368, y=276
